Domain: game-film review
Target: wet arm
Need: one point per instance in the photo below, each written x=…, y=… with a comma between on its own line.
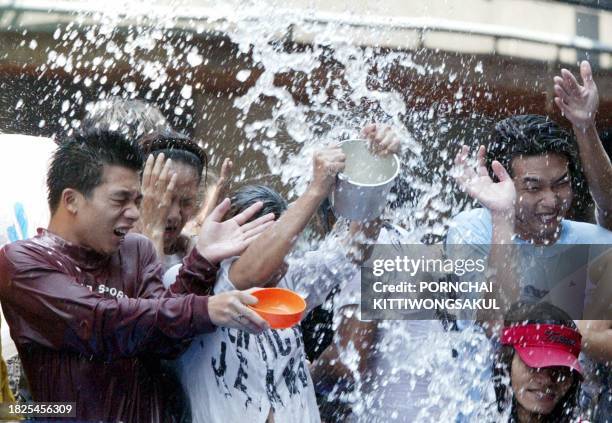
x=579, y=104
x=600, y=298
x=598, y=171
x=50, y=308
x=266, y=254
x=597, y=339
x=501, y=267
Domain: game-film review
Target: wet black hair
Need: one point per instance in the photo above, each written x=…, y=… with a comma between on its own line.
x=134, y=118
x=78, y=162
x=247, y=195
x=529, y=135
x=527, y=313
x=176, y=146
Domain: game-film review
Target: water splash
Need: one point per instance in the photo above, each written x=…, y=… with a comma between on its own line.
x=301, y=81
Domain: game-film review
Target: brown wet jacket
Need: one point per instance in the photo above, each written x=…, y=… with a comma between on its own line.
x=91, y=329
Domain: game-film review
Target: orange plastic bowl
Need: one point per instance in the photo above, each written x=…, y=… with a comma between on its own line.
x=281, y=308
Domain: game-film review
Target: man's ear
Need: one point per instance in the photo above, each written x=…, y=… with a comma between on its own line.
x=72, y=200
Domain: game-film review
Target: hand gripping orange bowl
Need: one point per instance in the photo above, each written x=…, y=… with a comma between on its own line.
x=281, y=308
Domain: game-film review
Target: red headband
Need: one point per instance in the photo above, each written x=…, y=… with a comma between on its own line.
x=544, y=345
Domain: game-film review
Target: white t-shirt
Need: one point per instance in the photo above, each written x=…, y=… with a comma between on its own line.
x=230, y=375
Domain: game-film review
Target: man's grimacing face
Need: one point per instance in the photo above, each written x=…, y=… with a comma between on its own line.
x=544, y=195
x=105, y=216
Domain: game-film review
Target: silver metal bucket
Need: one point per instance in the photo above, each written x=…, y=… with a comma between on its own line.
x=362, y=188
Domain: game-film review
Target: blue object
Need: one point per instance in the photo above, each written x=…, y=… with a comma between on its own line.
x=22, y=222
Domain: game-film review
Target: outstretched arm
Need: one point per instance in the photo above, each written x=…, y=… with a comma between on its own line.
x=266, y=255
x=500, y=199
x=579, y=104
x=50, y=308
x=217, y=241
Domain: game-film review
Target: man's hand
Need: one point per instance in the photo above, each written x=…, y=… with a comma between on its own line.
x=218, y=191
x=229, y=309
x=211, y=199
x=382, y=138
x=327, y=163
x=219, y=239
x=157, y=189
x=578, y=103
x=498, y=197
x=224, y=177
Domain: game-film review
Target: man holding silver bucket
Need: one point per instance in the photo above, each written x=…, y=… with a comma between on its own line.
x=229, y=373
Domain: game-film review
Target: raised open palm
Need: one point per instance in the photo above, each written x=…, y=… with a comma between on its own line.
x=495, y=196
x=578, y=103
x=219, y=239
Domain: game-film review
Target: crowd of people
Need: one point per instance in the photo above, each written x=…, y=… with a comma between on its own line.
x=133, y=302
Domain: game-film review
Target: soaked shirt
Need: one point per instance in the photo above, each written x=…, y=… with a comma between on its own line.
x=410, y=364
x=91, y=329
x=230, y=374
x=546, y=270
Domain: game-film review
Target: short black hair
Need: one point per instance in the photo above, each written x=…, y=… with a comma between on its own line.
x=529, y=313
x=529, y=135
x=79, y=161
x=176, y=146
x=134, y=118
x=248, y=195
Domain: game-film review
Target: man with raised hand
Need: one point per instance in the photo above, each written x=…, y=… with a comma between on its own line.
x=525, y=182
x=579, y=104
x=534, y=163
x=84, y=299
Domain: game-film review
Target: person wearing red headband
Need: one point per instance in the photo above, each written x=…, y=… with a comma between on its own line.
x=539, y=352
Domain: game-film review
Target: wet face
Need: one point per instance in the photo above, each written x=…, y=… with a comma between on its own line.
x=103, y=218
x=544, y=195
x=184, y=203
x=538, y=391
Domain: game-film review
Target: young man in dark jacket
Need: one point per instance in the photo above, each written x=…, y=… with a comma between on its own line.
x=84, y=299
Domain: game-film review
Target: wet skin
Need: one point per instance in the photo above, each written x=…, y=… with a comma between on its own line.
x=537, y=391
x=184, y=204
